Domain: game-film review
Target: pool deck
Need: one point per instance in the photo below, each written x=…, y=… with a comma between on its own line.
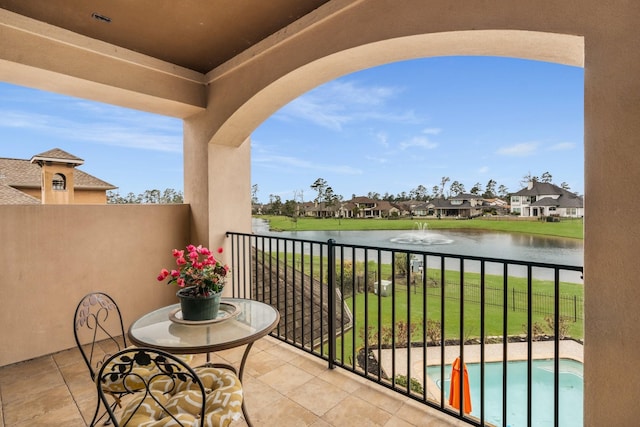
x=569, y=349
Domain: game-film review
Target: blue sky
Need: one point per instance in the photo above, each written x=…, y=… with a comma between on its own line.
x=387, y=129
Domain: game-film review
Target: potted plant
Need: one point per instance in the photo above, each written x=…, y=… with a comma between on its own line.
x=201, y=278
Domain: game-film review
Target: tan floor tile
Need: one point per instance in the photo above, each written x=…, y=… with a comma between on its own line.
x=286, y=378
x=283, y=413
x=68, y=357
x=61, y=416
x=309, y=363
x=21, y=380
x=322, y=423
x=258, y=395
x=281, y=352
x=266, y=342
x=354, y=409
x=262, y=363
x=318, y=396
x=397, y=422
x=383, y=398
x=343, y=379
x=32, y=406
x=419, y=415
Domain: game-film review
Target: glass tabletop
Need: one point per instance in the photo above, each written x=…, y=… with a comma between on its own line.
x=156, y=329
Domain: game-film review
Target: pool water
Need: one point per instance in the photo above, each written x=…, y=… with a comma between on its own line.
x=570, y=392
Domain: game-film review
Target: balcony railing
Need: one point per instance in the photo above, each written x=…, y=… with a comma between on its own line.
x=400, y=318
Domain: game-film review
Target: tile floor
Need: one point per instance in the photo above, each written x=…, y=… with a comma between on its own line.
x=283, y=387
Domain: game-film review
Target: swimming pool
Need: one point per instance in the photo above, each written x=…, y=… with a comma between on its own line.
x=570, y=398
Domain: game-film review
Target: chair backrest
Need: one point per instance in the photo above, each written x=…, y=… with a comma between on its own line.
x=98, y=329
x=167, y=390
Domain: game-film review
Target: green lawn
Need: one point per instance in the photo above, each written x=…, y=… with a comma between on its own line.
x=412, y=302
x=570, y=228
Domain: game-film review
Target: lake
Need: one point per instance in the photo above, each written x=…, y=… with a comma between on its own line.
x=508, y=246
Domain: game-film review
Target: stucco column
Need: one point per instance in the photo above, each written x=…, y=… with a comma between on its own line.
x=196, y=179
x=229, y=191
x=612, y=228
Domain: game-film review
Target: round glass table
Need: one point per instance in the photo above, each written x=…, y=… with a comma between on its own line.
x=246, y=322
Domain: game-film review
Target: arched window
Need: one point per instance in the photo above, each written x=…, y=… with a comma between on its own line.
x=59, y=182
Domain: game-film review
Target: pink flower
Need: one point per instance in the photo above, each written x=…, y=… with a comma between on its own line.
x=175, y=273
x=163, y=274
x=177, y=254
x=181, y=261
x=191, y=248
x=220, y=250
x=205, y=251
x=193, y=256
x=180, y=282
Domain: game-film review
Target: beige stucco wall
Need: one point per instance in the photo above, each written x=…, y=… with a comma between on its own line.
x=90, y=197
x=53, y=255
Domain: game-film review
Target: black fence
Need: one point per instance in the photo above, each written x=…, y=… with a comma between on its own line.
x=400, y=318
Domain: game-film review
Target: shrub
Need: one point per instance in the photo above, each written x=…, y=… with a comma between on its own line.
x=415, y=386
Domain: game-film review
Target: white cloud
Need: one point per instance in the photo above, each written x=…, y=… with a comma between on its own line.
x=337, y=103
x=114, y=127
x=382, y=138
x=432, y=131
x=562, y=146
x=519, y=150
x=483, y=170
x=377, y=159
x=418, y=141
x=276, y=162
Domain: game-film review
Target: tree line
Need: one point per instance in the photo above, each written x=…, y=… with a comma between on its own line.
x=324, y=193
x=167, y=196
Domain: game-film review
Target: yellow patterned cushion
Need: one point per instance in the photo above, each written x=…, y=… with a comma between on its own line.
x=133, y=382
x=183, y=401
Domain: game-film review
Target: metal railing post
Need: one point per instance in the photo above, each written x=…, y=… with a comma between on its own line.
x=331, y=301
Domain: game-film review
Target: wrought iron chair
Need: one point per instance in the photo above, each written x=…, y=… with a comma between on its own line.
x=99, y=332
x=168, y=391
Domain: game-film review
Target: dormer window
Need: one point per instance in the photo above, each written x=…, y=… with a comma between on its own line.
x=59, y=182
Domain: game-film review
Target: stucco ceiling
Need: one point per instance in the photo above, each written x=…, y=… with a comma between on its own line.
x=195, y=34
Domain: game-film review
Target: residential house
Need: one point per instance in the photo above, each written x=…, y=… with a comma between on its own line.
x=48, y=178
x=541, y=199
x=366, y=207
x=459, y=206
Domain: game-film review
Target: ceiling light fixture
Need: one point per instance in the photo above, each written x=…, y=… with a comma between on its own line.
x=99, y=17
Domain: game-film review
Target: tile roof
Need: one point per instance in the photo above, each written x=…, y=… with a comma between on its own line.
x=11, y=196
x=58, y=154
x=19, y=173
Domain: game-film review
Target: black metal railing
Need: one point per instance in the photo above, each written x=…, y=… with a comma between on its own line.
x=400, y=317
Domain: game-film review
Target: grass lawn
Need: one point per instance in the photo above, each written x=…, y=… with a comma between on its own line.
x=410, y=308
x=570, y=228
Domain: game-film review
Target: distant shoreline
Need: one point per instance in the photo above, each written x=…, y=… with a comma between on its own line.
x=572, y=228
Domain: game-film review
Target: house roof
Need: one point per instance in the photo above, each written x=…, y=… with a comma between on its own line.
x=560, y=202
x=18, y=173
x=565, y=199
x=11, y=196
x=542, y=188
x=199, y=34
x=465, y=196
x=57, y=155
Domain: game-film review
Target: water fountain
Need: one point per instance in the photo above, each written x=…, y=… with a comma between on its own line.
x=422, y=237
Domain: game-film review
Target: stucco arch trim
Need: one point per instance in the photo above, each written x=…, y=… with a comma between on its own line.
x=278, y=90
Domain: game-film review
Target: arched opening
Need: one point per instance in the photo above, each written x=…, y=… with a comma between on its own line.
x=59, y=182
